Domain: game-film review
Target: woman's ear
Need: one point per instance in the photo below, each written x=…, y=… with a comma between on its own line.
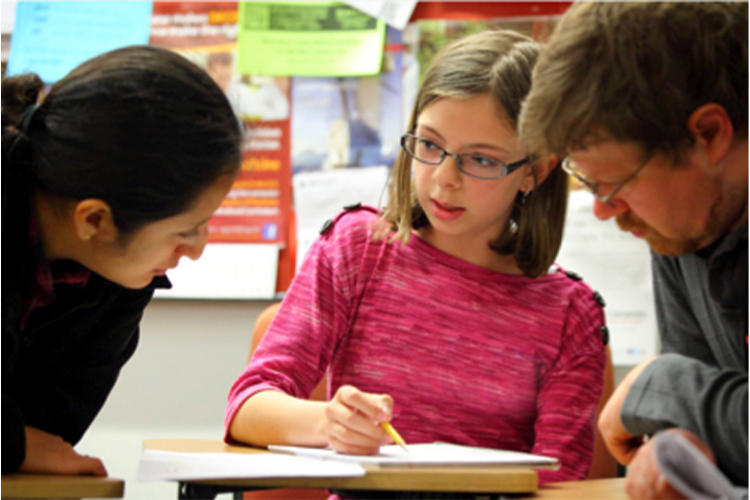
x=539, y=171
x=94, y=221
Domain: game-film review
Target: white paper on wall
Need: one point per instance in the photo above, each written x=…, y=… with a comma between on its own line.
x=618, y=266
x=395, y=13
x=226, y=271
x=320, y=195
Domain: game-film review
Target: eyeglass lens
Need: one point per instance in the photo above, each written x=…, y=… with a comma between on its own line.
x=479, y=166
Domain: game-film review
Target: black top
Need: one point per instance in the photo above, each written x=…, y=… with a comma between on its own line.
x=59, y=369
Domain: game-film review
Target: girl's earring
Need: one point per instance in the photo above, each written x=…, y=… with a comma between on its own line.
x=524, y=195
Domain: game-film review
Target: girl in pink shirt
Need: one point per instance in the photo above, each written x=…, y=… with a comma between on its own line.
x=444, y=314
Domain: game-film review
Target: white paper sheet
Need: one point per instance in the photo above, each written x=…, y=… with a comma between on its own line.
x=395, y=13
x=158, y=465
x=320, y=195
x=427, y=455
x=618, y=266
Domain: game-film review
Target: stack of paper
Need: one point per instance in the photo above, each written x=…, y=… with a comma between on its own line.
x=297, y=461
x=428, y=455
x=176, y=466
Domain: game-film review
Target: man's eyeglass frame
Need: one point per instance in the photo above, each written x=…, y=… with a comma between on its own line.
x=593, y=187
x=507, y=168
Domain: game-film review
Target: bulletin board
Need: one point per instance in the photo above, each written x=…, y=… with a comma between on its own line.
x=331, y=136
x=348, y=117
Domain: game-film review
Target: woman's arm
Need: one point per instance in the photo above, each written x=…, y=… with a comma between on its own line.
x=570, y=392
x=273, y=417
x=268, y=402
x=349, y=423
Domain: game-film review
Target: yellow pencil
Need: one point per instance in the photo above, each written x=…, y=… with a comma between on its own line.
x=388, y=428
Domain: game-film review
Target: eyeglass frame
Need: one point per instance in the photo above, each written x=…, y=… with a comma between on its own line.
x=593, y=187
x=508, y=168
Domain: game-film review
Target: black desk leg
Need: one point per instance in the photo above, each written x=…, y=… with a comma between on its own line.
x=192, y=491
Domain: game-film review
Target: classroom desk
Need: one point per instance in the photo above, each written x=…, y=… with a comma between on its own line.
x=513, y=483
x=19, y=485
x=594, y=489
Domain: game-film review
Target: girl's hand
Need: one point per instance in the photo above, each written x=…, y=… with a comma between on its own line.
x=353, y=421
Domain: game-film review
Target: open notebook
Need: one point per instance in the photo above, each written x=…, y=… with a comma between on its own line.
x=429, y=455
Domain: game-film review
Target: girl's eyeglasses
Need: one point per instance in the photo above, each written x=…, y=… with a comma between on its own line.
x=477, y=166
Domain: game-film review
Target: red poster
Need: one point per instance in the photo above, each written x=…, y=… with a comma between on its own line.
x=258, y=205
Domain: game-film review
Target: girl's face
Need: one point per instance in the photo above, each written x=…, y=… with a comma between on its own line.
x=466, y=213
x=159, y=246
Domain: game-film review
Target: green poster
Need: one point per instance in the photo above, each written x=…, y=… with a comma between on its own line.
x=308, y=39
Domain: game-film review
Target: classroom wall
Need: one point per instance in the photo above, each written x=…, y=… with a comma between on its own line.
x=176, y=384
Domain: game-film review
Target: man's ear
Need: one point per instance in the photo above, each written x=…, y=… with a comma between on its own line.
x=712, y=129
x=541, y=169
x=93, y=221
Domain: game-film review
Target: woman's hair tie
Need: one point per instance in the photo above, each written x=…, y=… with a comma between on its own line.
x=25, y=122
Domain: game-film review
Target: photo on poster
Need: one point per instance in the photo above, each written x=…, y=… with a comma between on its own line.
x=349, y=122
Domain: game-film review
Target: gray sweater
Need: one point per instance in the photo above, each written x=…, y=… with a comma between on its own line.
x=700, y=381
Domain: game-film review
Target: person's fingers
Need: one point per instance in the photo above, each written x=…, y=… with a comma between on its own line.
x=353, y=443
x=351, y=426
x=696, y=441
x=376, y=407
x=81, y=465
x=354, y=420
x=49, y=454
x=665, y=491
x=87, y=465
x=644, y=478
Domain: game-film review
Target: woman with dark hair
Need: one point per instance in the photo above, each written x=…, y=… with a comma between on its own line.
x=106, y=184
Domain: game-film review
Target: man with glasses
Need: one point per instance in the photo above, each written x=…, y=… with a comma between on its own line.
x=647, y=104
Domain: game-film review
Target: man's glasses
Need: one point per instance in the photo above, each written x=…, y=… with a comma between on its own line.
x=477, y=166
x=595, y=188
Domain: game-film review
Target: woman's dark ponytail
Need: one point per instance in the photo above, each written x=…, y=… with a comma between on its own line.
x=18, y=93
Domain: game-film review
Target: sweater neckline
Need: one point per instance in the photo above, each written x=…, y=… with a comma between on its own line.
x=445, y=259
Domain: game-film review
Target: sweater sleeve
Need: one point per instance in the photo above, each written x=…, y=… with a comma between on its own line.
x=14, y=438
x=677, y=391
x=65, y=395
x=686, y=387
x=317, y=310
x=570, y=392
x=62, y=374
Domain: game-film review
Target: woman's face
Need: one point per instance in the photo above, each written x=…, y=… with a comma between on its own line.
x=159, y=246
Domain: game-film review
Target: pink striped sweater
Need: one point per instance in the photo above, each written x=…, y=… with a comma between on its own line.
x=469, y=355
